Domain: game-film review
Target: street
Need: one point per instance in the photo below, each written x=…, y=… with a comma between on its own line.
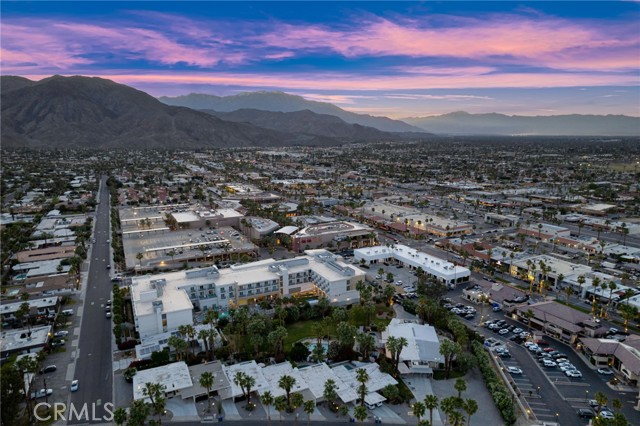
x=93, y=363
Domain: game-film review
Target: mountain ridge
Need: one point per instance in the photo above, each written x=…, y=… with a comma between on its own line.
x=277, y=101
x=464, y=123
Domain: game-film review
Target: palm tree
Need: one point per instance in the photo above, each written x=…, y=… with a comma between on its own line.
x=309, y=408
x=360, y=413
x=460, y=386
x=267, y=400
x=431, y=403
x=601, y=399
x=187, y=331
x=287, y=383
x=245, y=382
x=457, y=418
x=296, y=401
x=330, y=391
x=612, y=286
x=419, y=409
x=156, y=393
x=448, y=406
x=206, y=381
x=363, y=377
x=280, y=404
x=120, y=416
x=470, y=406
x=628, y=312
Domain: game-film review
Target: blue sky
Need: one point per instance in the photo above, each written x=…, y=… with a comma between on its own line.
x=384, y=58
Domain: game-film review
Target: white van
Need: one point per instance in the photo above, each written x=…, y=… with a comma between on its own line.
x=67, y=312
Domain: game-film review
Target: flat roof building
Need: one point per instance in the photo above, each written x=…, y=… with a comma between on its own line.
x=23, y=340
x=422, y=352
x=175, y=377
x=444, y=271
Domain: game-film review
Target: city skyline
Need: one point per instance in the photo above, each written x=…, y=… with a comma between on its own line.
x=394, y=59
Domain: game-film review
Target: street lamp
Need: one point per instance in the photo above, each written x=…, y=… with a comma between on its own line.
x=586, y=395
x=557, y=416
x=538, y=390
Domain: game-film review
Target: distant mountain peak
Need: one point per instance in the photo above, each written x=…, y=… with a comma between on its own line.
x=278, y=101
x=464, y=123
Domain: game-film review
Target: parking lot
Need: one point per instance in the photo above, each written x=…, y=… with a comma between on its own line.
x=550, y=393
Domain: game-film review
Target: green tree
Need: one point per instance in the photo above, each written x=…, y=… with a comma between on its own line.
x=419, y=410
x=366, y=343
x=296, y=402
x=246, y=383
x=360, y=413
x=449, y=350
x=287, y=383
x=120, y=416
x=206, y=381
x=267, y=400
x=280, y=404
x=363, y=377
x=138, y=413
x=155, y=392
x=470, y=406
x=460, y=386
x=11, y=386
x=309, y=408
x=431, y=403
x=330, y=392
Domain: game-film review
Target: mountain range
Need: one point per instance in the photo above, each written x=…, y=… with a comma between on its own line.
x=463, y=123
x=284, y=102
x=98, y=113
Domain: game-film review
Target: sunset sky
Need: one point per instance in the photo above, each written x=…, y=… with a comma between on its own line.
x=396, y=59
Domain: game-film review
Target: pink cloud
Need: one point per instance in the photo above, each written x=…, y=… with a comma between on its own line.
x=542, y=42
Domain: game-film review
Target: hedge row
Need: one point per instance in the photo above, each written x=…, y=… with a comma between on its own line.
x=498, y=390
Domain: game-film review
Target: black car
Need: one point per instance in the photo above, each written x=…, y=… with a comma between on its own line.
x=470, y=316
x=504, y=354
x=48, y=369
x=586, y=413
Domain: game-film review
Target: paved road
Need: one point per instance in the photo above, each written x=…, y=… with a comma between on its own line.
x=94, y=364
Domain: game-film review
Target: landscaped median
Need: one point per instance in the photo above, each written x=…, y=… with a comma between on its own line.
x=499, y=392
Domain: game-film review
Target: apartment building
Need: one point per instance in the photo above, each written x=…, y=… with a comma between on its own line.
x=163, y=302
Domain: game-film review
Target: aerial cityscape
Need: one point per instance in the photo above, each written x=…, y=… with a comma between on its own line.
x=257, y=213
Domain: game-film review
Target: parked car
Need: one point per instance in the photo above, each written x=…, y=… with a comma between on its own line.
x=48, y=369
x=605, y=371
x=504, y=331
x=573, y=373
x=606, y=414
x=514, y=370
x=74, y=386
x=108, y=314
x=549, y=364
x=41, y=393
x=586, y=413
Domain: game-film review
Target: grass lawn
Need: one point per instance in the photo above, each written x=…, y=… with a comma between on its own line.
x=300, y=330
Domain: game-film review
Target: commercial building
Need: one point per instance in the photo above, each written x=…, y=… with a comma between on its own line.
x=559, y=321
x=623, y=357
x=333, y=234
x=524, y=266
x=444, y=271
x=163, y=302
x=544, y=231
x=422, y=353
x=257, y=227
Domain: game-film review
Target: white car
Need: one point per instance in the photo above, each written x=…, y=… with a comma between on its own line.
x=605, y=371
x=62, y=333
x=528, y=344
x=41, y=393
x=517, y=330
x=503, y=331
x=606, y=414
x=514, y=370
x=549, y=364
x=566, y=367
x=573, y=373
x=74, y=386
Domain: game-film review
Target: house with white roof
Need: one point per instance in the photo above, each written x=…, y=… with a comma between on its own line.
x=422, y=353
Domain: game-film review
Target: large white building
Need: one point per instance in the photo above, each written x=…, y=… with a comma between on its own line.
x=444, y=271
x=163, y=302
